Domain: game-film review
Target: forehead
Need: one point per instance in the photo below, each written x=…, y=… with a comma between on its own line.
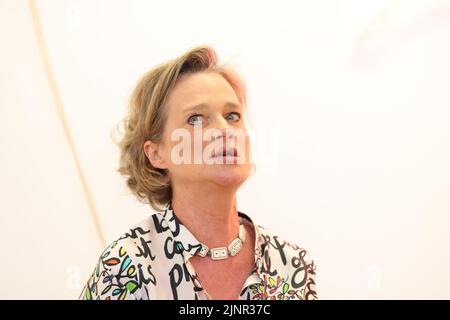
x=201, y=88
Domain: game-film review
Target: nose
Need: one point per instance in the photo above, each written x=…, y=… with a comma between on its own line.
x=222, y=129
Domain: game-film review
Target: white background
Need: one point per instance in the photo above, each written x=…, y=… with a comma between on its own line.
x=354, y=95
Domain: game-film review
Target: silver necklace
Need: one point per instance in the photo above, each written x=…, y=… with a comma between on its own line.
x=221, y=253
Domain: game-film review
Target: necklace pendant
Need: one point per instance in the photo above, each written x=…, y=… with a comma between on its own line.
x=219, y=253
x=235, y=247
x=203, y=251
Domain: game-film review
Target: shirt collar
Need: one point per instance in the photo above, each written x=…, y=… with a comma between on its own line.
x=185, y=242
x=188, y=245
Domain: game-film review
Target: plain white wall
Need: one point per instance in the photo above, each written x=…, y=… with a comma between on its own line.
x=350, y=107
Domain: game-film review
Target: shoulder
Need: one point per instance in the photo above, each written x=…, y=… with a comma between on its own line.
x=122, y=269
x=294, y=263
x=131, y=244
x=286, y=249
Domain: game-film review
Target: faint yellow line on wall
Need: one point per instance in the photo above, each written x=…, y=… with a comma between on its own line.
x=60, y=110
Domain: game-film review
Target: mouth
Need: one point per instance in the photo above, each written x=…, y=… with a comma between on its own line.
x=226, y=153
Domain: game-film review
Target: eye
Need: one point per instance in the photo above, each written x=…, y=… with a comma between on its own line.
x=195, y=119
x=234, y=116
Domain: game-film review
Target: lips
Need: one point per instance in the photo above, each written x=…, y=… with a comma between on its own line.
x=226, y=152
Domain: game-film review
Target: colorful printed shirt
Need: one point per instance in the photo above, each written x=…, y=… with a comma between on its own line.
x=151, y=261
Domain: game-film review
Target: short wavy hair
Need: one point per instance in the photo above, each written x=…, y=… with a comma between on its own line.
x=147, y=116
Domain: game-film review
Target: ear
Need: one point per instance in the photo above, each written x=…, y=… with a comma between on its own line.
x=152, y=151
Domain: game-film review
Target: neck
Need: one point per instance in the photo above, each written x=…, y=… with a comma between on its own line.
x=208, y=211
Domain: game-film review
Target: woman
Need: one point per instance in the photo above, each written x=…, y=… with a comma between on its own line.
x=197, y=245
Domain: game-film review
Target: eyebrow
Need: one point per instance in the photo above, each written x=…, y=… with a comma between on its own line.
x=203, y=106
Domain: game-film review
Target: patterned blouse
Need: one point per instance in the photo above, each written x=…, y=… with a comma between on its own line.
x=151, y=261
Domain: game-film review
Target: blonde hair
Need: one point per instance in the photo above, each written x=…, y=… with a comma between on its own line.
x=146, y=119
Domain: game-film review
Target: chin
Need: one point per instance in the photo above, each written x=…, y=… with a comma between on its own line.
x=228, y=176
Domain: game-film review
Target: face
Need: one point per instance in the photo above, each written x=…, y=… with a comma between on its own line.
x=205, y=139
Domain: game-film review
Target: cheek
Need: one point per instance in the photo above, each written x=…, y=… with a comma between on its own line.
x=173, y=147
x=179, y=157
x=244, y=146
